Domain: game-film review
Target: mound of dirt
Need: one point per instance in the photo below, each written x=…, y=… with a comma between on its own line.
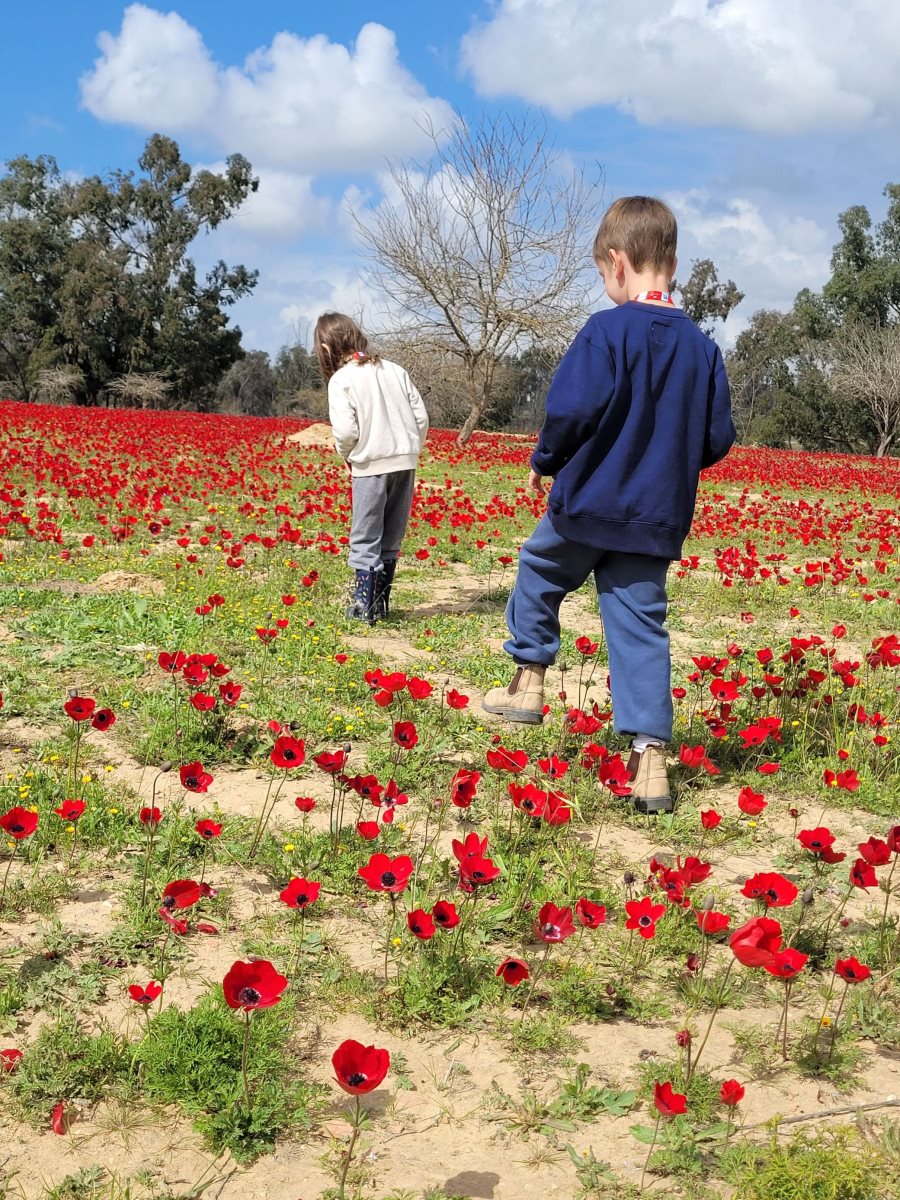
x=128, y=581
x=318, y=434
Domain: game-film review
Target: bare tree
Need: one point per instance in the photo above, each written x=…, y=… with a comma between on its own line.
x=484, y=250
x=61, y=385
x=866, y=370
x=137, y=389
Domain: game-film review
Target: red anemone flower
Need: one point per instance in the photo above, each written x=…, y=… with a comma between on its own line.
x=750, y=802
x=770, y=887
x=513, y=971
x=194, y=778
x=304, y=804
x=288, y=752
x=589, y=914
x=10, y=1059
x=80, y=708
x=668, y=1103
x=104, y=718
x=710, y=819
x=250, y=985
x=476, y=871
x=731, y=1093
x=875, y=852
x=463, y=787
x=444, y=914
x=359, y=1069
x=368, y=830
x=145, y=995
x=19, y=823
x=456, y=699
x=786, y=964
x=473, y=847
x=554, y=924
x=755, y=943
x=300, y=893
x=150, y=816
x=862, y=875
x=384, y=874
x=181, y=893
x=405, y=735
x=643, y=915
x=332, y=763
x=852, y=970
x=70, y=810
x=421, y=924
x=502, y=759
x=208, y=829
x=711, y=922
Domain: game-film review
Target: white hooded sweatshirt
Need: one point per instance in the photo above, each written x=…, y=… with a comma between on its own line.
x=377, y=417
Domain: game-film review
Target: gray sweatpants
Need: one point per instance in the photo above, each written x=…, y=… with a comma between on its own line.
x=381, y=505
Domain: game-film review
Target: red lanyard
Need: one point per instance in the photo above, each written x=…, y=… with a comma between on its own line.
x=662, y=297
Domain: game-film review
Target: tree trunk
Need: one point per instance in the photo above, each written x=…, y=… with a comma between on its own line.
x=471, y=422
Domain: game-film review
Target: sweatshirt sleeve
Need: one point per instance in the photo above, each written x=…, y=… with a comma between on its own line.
x=417, y=404
x=580, y=391
x=342, y=414
x=720, y=431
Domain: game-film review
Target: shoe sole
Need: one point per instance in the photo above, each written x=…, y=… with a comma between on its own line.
x=653, y=806
x=519, y=716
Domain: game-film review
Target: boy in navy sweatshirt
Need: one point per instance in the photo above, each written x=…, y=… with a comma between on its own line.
x=638, y=406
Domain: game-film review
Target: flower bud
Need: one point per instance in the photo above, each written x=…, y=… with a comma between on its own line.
x=683, y=1038
x=808, y=896
x=692, y=962
x=165, y=768
x=629, y=878
x=563, y=667
x=709, y=903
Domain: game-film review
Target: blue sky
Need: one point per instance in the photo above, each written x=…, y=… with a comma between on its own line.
x=758, y=120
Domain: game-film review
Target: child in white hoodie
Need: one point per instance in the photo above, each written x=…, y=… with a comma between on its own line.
x=380, y=425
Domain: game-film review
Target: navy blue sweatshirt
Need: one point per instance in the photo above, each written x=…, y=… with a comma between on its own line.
x=638, y=406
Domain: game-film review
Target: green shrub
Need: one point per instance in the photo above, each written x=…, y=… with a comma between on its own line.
x=193, y=1059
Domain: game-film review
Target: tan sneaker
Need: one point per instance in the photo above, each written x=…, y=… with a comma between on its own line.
x=650, y=781
x=523, y=700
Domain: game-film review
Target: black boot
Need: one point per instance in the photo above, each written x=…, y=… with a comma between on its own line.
x=383, y=584
x=362, y=597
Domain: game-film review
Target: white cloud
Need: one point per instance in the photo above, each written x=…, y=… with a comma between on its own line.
x=283, y=207
x=300, y=104
x=763, y=65
x=770, y=256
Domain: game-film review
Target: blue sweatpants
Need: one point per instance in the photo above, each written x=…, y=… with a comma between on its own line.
x=632, y=591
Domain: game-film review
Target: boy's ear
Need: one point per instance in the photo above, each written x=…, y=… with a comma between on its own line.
x=619, y=260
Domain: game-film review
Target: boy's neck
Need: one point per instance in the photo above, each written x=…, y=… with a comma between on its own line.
x=638, y=282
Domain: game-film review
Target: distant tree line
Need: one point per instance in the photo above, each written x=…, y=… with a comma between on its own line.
x=99, y=298
x=482, y=256
x=826, y=374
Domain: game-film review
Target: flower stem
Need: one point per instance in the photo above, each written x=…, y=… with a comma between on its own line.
x=6, y=878
x=348, y=1157
x=719, y=998
x=649, y=1155
x=244, y=1055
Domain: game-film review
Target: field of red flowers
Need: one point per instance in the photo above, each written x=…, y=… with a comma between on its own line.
x=284, y=915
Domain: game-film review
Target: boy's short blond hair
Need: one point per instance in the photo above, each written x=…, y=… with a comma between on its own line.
x=643, y=228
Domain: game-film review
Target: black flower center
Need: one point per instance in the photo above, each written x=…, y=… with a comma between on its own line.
x=288, y=754
x=302, y=899
x=644, y=922
x=357, y=1079
x=191, y=781
x=249, y=996
x=168, y=902
x=16, y=828
x=772, y=894
x=549, y=930
x=388, y=879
